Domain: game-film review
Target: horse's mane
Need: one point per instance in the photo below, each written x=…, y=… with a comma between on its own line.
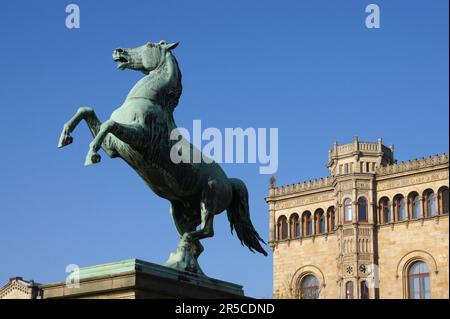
x=172, y=95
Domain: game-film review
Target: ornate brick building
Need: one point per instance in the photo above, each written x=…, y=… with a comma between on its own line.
x=374, y=228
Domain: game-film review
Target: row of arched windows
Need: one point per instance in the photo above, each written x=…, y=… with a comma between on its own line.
x=307, y=225
x=362, y=210
x=414, y=206
x=417, y=277
x=399, y=210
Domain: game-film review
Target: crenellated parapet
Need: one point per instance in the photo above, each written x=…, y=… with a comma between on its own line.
x=413, y=164
x=302, y=186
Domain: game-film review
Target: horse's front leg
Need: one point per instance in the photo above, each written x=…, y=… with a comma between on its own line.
x=83, y=113
x=132, y=134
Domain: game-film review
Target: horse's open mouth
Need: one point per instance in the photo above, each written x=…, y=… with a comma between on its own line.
x=121, y=62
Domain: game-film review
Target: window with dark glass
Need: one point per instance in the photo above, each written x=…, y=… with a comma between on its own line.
x=362, y=209
x=364, y=290
x=419, y=281
x=295, y=226
x=414, y=205
x=400, y=208
x=330, y=219
x=443, y=201
x=309, y=287
x=282, y=228
x=430, y=200
x=307, y=224
x=385, y=210
x=320, y=221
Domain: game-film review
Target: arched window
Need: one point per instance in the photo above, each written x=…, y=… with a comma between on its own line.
x=430, y=203
x=349, y=290
x=307, y=224
x=443, y=200
x=295, y=226
x=362, y=209
x=400, y=207
x=414, y=205
x=348, y=210
x=309, y=287
x=330, y=215
x=364, y=290
x=282, y=228
x=419, y=281
x=385, y=210
x=320, y=221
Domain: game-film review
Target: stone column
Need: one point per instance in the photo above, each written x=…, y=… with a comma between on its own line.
x=393, y=219
x=272, y=221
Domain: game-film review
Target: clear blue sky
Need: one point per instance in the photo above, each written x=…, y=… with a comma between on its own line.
x=310, y=68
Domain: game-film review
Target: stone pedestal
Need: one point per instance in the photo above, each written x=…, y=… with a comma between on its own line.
x=137, y=279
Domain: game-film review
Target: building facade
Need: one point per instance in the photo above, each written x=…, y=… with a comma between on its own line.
x=374, y=228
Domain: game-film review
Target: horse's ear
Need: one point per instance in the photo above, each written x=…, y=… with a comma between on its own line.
x=171, y=46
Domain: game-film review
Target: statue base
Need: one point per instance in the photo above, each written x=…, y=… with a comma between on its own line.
x=184, y=258
x=137, y=279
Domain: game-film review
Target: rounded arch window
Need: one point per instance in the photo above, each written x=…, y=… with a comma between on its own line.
x=348, y=210
x=430, y=203
x=349, y=290
x=309, y=287
x=320, y=221
x=362, y=209
x=414, y=205
x=385, y=210
x=443, y=200
x=364, y=289
x=330, y=216
x=419, y=281
x=307, y=224
x=400, y=207
x=282, y=228
x=295, y=225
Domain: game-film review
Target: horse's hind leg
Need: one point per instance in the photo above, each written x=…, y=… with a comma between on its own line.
x=184, y=225
x=207, y=211
x=83, y=113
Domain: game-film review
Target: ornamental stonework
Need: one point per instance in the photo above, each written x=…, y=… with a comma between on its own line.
x=412, y=180
x=338, y=252
x=303, y=201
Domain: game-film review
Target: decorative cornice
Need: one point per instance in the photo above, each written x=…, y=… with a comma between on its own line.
x=423, y=162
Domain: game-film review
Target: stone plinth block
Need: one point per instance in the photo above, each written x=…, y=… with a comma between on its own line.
x=137, y=279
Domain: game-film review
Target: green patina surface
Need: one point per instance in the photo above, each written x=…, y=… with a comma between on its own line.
x=139, y=132
x=130, y=265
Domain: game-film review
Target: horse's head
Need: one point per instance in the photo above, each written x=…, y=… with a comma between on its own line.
x=145, y=58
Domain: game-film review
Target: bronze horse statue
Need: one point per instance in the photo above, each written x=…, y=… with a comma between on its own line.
x=139, y=133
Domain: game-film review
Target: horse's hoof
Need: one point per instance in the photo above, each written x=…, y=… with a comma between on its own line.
x=65, y=140
x=92, y=159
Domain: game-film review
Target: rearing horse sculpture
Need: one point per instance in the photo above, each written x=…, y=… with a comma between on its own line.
x=139, y=133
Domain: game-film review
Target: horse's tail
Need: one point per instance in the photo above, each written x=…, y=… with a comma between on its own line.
x=239, y=216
